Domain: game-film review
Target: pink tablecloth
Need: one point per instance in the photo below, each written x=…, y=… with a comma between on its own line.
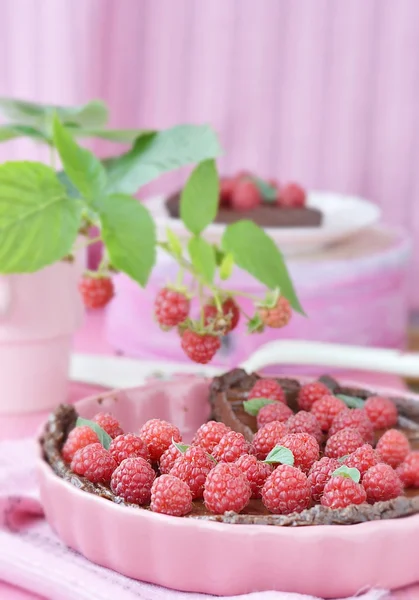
x=91, y=339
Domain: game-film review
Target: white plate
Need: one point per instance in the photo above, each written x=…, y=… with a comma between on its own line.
x=343, y=216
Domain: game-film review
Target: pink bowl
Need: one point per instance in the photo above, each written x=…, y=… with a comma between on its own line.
x=198, y=556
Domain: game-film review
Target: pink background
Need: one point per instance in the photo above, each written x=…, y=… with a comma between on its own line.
x=325, y=92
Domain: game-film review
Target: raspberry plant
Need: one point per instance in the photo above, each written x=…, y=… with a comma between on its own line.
x=43, y=213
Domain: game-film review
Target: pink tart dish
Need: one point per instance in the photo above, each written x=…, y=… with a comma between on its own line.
x=203, y=555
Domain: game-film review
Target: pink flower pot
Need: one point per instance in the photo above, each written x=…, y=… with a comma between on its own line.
x=39, y=313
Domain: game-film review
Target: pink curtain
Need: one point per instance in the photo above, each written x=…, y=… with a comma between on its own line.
x=322, y=91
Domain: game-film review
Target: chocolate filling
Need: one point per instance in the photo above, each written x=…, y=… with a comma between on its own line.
x=226, y=396
x=265, y=215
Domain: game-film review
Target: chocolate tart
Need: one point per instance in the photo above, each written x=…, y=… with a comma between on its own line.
x=265, y=215
x=226, y=398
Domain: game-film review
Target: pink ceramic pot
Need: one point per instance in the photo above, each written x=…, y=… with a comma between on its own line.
x=213, y=558
x=39, y=313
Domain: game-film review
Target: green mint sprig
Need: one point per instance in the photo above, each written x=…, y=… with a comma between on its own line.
x=104, y=438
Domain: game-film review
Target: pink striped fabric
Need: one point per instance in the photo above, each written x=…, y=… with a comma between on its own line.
x=324, y=92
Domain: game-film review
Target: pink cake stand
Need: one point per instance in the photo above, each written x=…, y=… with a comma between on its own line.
x=192, y=555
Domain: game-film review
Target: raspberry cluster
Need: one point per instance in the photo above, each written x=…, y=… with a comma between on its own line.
x=320, y=455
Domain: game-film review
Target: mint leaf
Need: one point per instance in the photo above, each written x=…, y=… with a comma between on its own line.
x=156, y=153
x=181, y=447
x=226, y=267
x=199, y=198
x=255, y=252
x=351, y=401
x=252, y=407
x=267, y=191
x=219, y=255
x=83, y=169
x=280, y=454
x=343, y=458
x=129, y=234
x=104, y=438
x=92, y=114
x=11, y=132
x=203, y=258
x=38, y=222
x=345, y=471
x=173, y=243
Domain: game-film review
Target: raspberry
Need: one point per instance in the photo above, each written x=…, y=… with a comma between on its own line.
x=245, y=195
x=109, y=424
x=168, y=459
x=170, y=496
x=226, y=190
x=171, y=307
x=269, y=436
x=225, y=322
x=343, y=442
x=292, y=196
x=226, y=488
x=340, y=492
x=128, y=445
x=305, y=422
x=319, y=475
x=382, y=412
x=132, y=480
x=326, y=409
x=96, y=292
x=278, y=316
x=94, y=462
x=408, y=471
x=273, y=412
x=363, y=458
x=304, y=448
x=158, y=436
x=256, y=472
x=393, y=447
x=381, y=483
x=193, y=468
x=310, y=393
x=209, y=434
x=357, y=419
x=79, y=437
x=200, y=347
x=231, y=446
x=267, y=388
x=286, y=491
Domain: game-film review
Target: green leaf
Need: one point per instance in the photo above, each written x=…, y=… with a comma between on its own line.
x=280, y=454
x=268, y=192
x=255, y=252
x=104, y=438
x=345, y=471
x=129, y=234
x=82, y=167
x=11, y=132
x=38, y=222
x=122, y=136
x=72, y=191
x=226, y=267
x=156, y=153
x=92, y=114
x=181, y=447
x=199, y=198
x=255, y=324
x=252, y=407
x=203, y=258
x=219, y=255
x=173, y=243
x=351, y=401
